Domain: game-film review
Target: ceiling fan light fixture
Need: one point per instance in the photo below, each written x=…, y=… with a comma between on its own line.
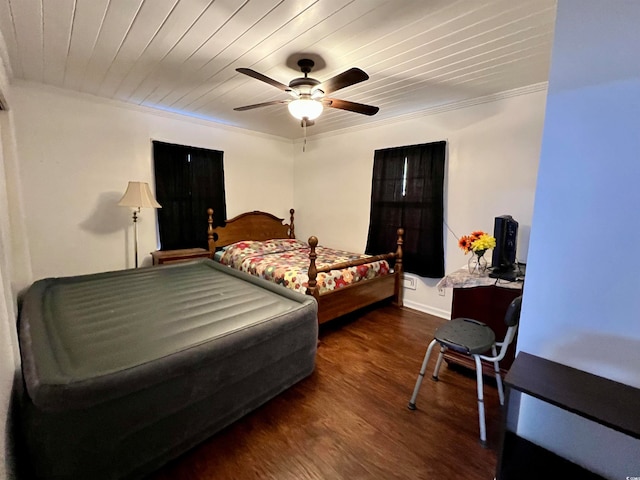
x=305, y=108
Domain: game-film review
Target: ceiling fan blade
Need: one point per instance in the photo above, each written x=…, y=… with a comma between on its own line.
x=263, y=78
x=350, y=77
x=351, y=106
x=258, y=105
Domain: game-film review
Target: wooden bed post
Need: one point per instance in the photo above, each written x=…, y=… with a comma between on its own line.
x=210, y=240
x=397, y=295
x=292, y=228
x=312, y=288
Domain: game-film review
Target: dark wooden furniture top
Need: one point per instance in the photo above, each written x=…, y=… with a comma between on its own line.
x=173, y=256
x=597, y=399
x=604, y=401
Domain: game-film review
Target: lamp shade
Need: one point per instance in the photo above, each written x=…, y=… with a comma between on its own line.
x=138, y=195
x=305, y=108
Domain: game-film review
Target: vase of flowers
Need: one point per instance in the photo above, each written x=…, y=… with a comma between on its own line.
x=477, y=243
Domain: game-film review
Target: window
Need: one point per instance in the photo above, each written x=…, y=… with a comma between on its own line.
x=189, y=180
x=407, y=192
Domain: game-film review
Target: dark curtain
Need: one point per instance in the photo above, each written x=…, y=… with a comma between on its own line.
x=420, y=211
x=188, y=181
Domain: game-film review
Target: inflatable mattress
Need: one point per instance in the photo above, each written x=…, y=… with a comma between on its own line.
x=125, y=370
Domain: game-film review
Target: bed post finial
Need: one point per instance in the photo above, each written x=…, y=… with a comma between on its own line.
x=312, y=288
x=397, y=294
x=292, y=228
x=210, y=240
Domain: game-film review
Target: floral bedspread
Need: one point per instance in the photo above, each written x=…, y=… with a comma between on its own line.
x=286, y=261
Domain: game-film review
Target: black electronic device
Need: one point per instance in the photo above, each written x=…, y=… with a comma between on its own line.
x=505, y=230
x=515, y=273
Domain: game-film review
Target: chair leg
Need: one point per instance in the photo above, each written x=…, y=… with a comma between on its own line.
x=436, y=371
x=496, y=368
x=412, y=402
x=483, y=428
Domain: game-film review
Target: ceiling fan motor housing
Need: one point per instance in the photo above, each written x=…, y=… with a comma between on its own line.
x=303, y=85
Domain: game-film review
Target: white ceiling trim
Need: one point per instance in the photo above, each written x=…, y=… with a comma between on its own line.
x=143, y=109
x=210, y=123
x=538, y=87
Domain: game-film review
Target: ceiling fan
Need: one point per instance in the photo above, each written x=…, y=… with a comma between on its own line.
x=309, y=94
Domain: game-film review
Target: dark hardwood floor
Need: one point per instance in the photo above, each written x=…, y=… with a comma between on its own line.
x=349, y=419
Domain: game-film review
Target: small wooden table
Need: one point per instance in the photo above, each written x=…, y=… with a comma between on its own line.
x=161, y=257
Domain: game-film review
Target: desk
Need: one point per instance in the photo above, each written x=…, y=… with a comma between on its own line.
x=485, y=299
x=598, y=399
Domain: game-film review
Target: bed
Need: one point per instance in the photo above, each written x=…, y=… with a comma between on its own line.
x=361, y=288
x=125, y=370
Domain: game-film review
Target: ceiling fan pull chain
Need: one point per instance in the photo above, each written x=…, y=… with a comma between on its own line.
x=304, y=127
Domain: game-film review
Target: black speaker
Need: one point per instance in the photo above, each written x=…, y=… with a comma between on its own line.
x=505, y=229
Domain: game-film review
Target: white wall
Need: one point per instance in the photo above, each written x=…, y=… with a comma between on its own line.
x=493, y=151
x=77, y=154
x=15, y=270
x=7, y=316
x=582, y=295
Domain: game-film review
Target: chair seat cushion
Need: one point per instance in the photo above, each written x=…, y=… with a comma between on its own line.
x=466, y=335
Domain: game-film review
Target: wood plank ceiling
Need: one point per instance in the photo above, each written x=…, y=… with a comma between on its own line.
x=181, y=55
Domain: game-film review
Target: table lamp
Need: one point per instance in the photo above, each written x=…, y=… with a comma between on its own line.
x=138, y=195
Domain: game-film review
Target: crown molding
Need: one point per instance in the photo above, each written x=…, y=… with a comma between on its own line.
x=143, y=109
x=471, y=102
x=211, y=123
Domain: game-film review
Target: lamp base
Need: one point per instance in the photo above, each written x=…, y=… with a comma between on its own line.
x=135, y=233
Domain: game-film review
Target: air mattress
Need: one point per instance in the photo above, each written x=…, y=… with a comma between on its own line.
x=126, y=370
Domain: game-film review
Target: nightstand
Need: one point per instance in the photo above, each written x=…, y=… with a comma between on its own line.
x=161, y=257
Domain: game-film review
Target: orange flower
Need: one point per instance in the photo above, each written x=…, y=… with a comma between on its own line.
x=465, y=243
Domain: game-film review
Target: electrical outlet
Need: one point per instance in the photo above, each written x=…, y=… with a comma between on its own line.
x=409, y=282
x=441, y=291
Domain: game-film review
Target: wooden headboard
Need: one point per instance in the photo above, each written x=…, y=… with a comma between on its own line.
x=248, y=226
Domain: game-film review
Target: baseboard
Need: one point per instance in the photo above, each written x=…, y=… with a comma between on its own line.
x=438, y=312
